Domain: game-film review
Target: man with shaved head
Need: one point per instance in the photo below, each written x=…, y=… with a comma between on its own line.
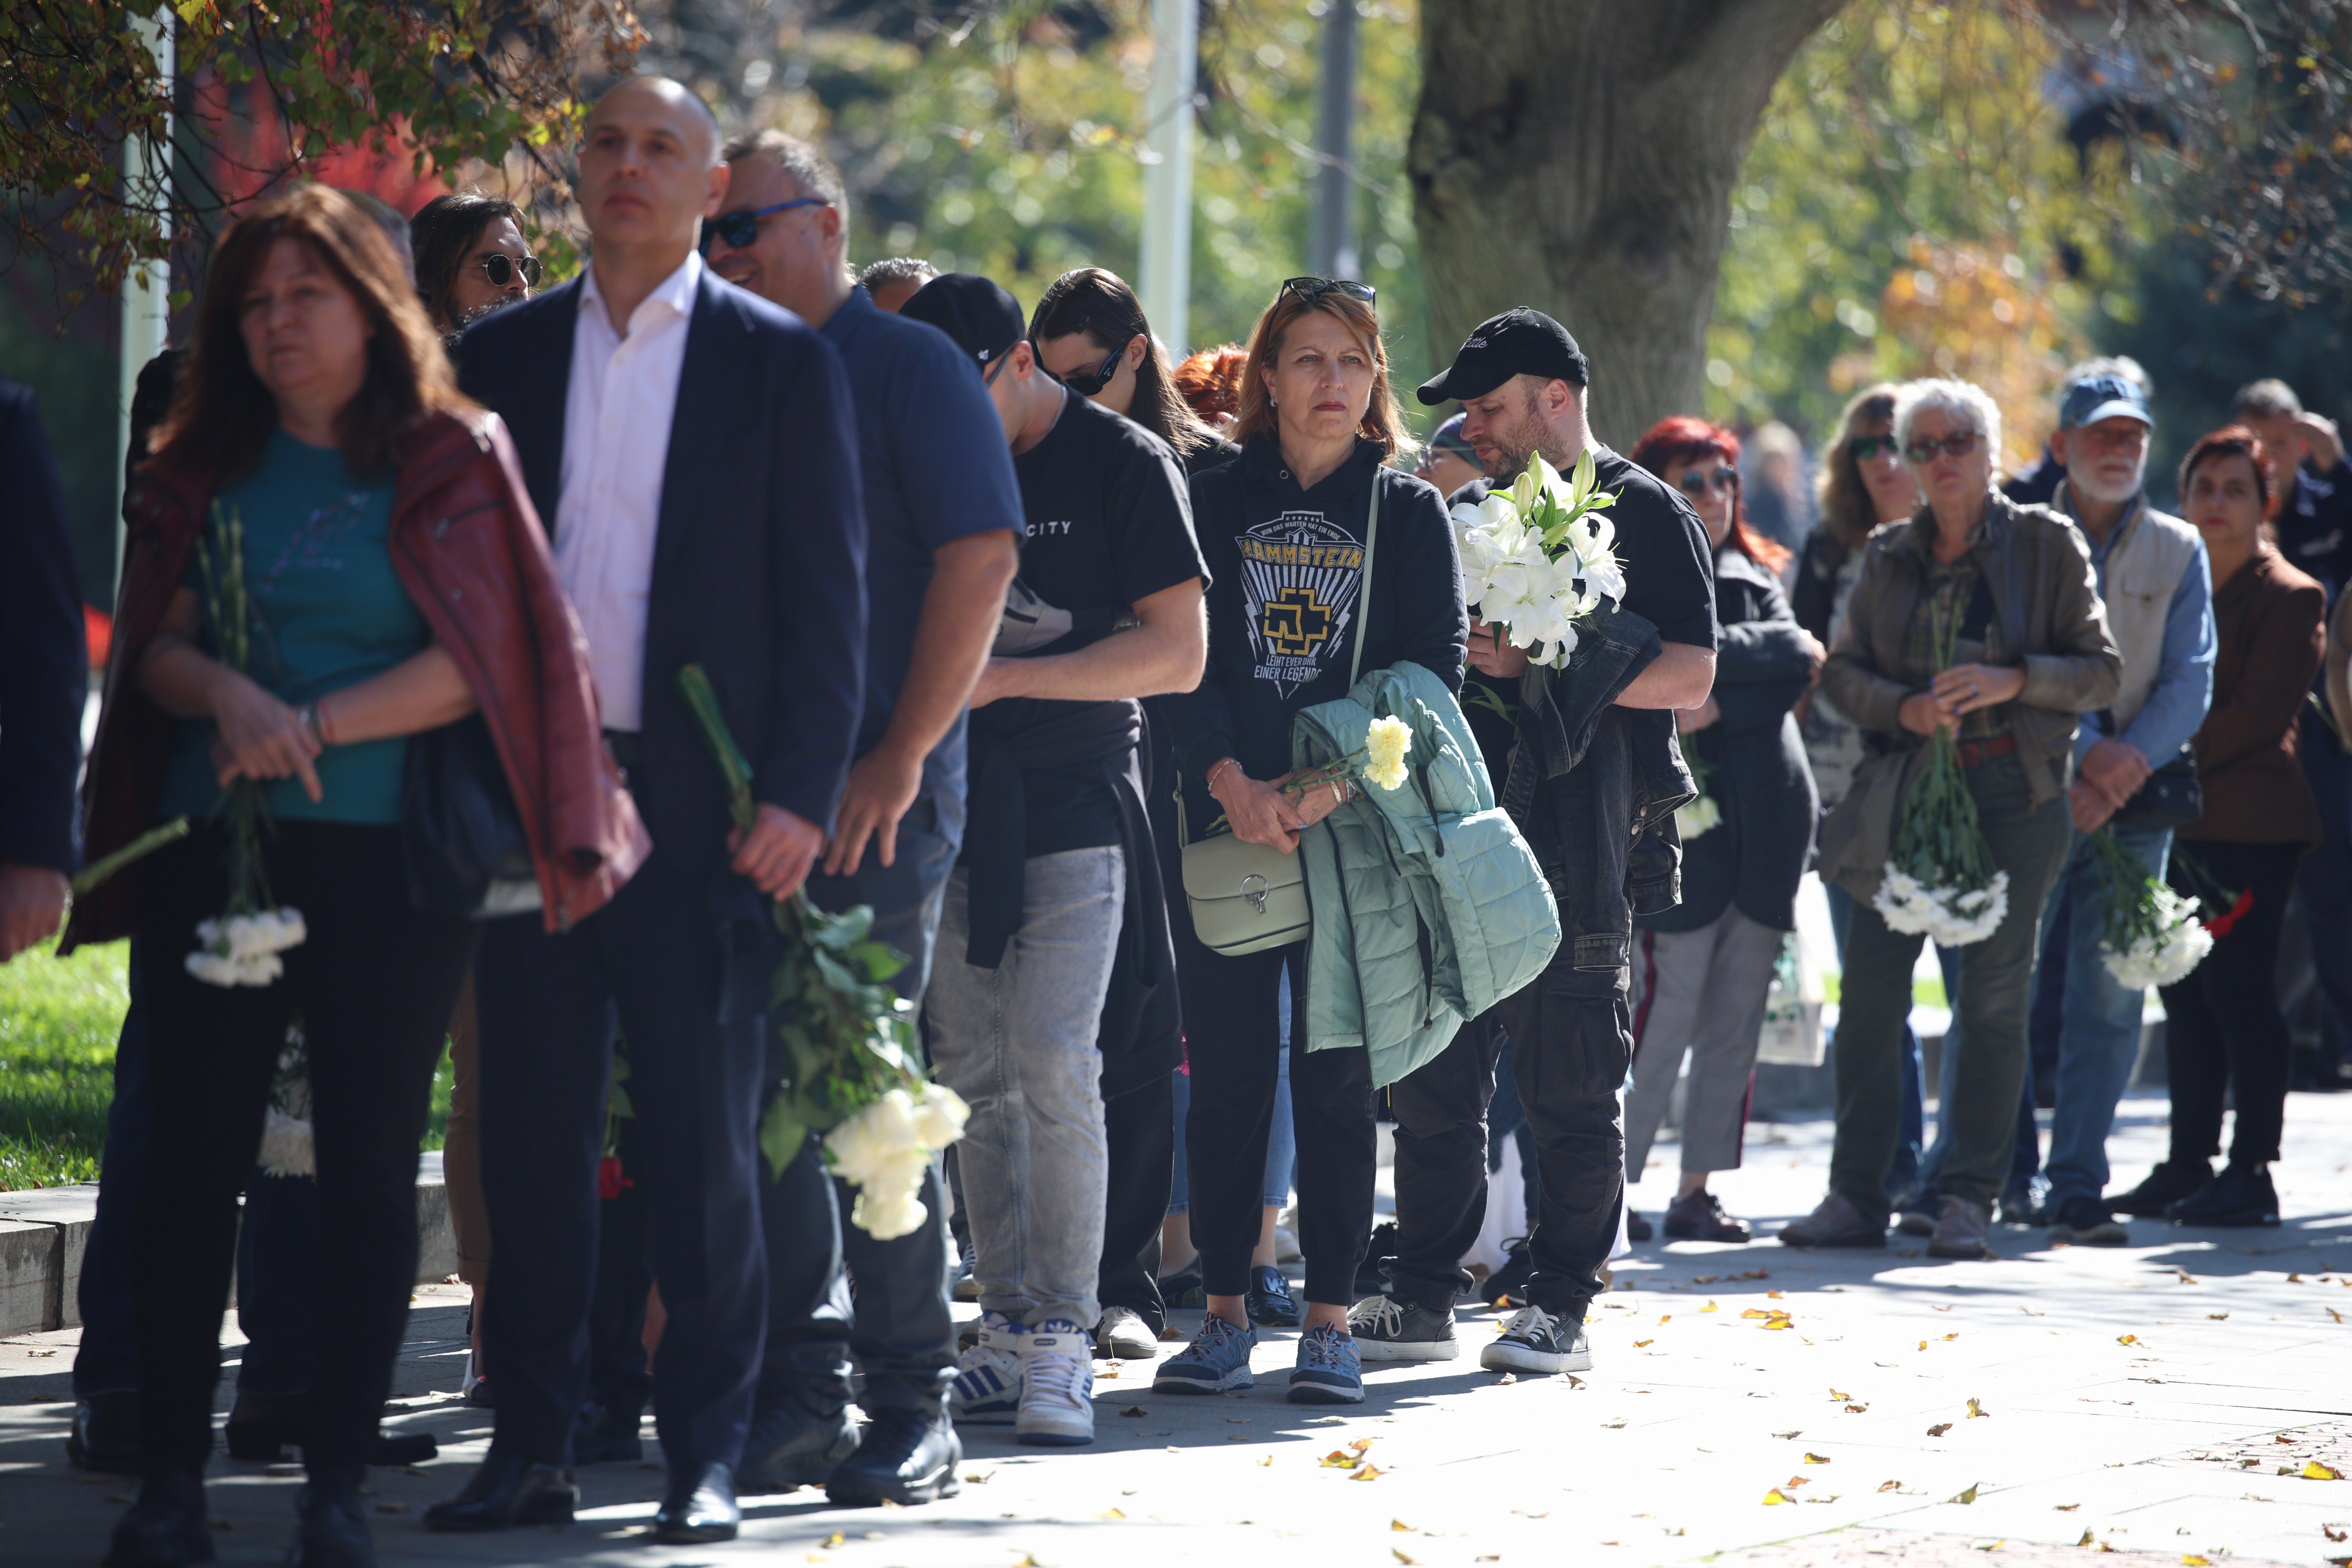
x=691, y=449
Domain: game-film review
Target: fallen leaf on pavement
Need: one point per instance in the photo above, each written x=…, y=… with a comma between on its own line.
x=2313, y=1471
x=1953, y=1335
x=1968, y=1496
x=1923, y=1344
x=981, y=1477
x=2217, y=1317
x=1667, y=1318
x=1710, y=1306
x=2127, y=1339
x=2086, y=1539
x=1840, y=1395
x=1612, y=1425
x=1774, y=1295
x=1817, y=1458
x=2331, y=1531
x=1400, y=1557
x=1756, y=1274
x=2068, y=1507
x=1366, y=1473
x=1796, y=1481
x=1110, y=1514
x=1755, y=1312
x=1360, y=1444
x=1890, y=1486
x=2190, y=1560
x=1401, y=1525
x=1775, y=1496
x=1644, y=1345
x=1987, y=1545
x=1705, y=1279
x=2334, y=1314
x=1787, y=1434
x=1856, y=1409
x=2294, y=1279
x=1269, y=1459
x=1976, y=1409
x=1337, y=1459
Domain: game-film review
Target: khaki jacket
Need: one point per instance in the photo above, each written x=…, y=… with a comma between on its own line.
x=2039, y=573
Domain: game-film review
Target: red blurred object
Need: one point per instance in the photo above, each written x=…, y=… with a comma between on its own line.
x=2220, y=924
x=609, y=1180
x=97, y=627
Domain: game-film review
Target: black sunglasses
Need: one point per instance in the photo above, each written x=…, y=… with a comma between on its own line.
x=741, y=229
x=1310, y=290
x=1866, y=447
x=1697, y=482
x=502, y=268
x=1925, y=450
x=1086, y=383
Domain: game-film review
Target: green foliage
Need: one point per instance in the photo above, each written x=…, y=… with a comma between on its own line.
x=466, y=79
x=1911, y=206
x=59, y=1021
x=1009, y=146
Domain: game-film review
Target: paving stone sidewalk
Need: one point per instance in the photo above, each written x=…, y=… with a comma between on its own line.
x=2165, y=1402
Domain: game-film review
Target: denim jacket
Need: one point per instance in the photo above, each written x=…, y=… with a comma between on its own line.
x=1593, y=788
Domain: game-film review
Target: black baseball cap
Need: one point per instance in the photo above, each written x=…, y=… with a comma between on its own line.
x=977, y=313
x=1521, y=341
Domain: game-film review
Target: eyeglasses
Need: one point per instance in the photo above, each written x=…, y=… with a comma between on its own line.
x=739, y=229
x=1310, y=290
x=502, y=270
x=1866, y=447
x=987, y=377
x=1698, y=481
x=1959, y=446
x=1086, y=383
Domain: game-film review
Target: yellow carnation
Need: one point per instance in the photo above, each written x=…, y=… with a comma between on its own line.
x=1385, y=745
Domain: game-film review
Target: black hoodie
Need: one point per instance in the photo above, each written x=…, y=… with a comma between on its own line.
x=1287, y=607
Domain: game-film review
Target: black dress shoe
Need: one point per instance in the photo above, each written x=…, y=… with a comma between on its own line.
x=1701, y=1218
x=700, y=1508
x=105, y=1435
x=792, y=1446
x=2241, y=1195
x=2166, y=1185
x=332, y=1529
x=166, y=1526
x=604, y=1436
x=505, y=1492
x=1507, y=1286
x=1268, y=1301
x=905, y=1457
x=264, y=1427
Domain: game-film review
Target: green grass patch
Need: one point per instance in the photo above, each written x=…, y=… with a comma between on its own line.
x=1925, y=991
x=60, y=1018
x=59, y=1021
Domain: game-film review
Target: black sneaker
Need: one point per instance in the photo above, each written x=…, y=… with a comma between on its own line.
x=905, y=1457
x=1537, y=1341
x=2241, y=1196
x=791, y=1446
x=1269, y=1302
x=1637, y=1228
x=1507, y=1286
x=2166, y=1185
x=1369, y=1280
x=1390, y=1328
x=1182, y=1288
x=1700, y=1217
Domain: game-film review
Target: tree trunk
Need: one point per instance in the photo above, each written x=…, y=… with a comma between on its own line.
x=1580, y=156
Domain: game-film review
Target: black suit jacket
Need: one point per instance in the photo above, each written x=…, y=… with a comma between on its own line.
x=758, y=556
x=44, y=653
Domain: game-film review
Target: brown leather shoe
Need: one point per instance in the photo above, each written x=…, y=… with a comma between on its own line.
x=1700, y=1217
x=1836, y=1223
x=1963, y=1230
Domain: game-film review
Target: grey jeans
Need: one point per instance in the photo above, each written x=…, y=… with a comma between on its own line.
x=1018, y=1042
x=1703, y=991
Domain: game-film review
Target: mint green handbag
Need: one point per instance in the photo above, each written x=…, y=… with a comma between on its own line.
x=1246, y=898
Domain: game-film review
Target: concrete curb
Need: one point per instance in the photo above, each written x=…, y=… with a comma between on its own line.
x=43, y=1231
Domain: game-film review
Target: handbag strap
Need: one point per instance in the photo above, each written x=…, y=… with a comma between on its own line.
x=1364, y=588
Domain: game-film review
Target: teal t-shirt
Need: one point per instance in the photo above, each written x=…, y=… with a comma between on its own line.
x=329, y=611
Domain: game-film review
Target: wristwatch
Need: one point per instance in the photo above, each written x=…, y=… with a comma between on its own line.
x=308, y=717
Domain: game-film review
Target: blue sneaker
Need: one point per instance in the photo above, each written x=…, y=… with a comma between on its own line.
x=1329, y=1370
x=1217, y=1359
x=989, y=1380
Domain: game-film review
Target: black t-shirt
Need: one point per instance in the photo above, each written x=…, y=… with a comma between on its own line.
x=1662, y=545
x=1109, y=522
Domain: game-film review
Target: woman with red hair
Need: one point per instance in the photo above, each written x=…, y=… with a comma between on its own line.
x=1701, y=970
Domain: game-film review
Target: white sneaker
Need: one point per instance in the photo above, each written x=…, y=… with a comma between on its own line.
x=1057, y=1386
x=988, y=1387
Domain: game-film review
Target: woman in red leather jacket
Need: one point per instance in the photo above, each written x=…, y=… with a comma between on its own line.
x=398, y=581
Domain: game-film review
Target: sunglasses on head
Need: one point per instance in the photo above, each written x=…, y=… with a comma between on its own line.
x=1086, y=383
x=1697, y=482
x=1310, y=290
x=1866, y=447
x=739, y=229
x=1960, y=445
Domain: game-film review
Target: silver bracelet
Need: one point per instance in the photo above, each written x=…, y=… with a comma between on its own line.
x=1222, y=765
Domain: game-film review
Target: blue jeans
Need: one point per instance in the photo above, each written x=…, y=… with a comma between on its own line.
x=2101, y=1039
x=1903, y=1177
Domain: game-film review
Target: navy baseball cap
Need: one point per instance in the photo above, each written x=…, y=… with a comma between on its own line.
x=1522, y=341
x=2098, y=398
x=984, y=320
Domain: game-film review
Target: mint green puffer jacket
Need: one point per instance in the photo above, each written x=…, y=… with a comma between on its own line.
x=1428, y=906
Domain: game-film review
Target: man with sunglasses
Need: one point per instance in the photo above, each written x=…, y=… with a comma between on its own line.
x=942, y=519
x=1056, y=925
x=1597, y=810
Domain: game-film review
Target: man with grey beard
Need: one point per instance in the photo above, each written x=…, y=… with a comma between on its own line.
x=2152, y=573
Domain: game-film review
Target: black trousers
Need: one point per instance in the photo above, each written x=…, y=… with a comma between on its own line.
x=620, y=1377
x=2223, y=1033
x=1141, y=1128
x=546, y=1005
x=1440, y=1165
x=1231, y=1035
x=1571, y=1043
x=373, y=984
x=898, y=1325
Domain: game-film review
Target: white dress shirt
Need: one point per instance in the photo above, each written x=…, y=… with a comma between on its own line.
x=617, y=411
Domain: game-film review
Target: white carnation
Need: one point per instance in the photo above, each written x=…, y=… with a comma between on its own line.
x=1951, y=916
x=2165, y=956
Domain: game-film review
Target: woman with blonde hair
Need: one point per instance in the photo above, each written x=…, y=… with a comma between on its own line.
x=1287, y=529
